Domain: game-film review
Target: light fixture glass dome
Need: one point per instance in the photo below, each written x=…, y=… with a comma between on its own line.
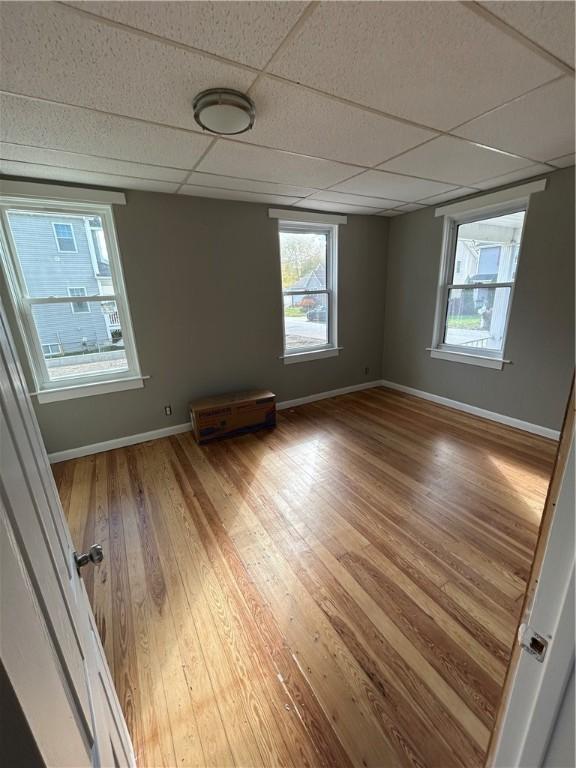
x=224, y=111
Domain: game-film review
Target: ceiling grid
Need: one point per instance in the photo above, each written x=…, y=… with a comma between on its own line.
x=348, y=118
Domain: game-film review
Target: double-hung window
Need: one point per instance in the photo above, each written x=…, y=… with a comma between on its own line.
x=309, y=269
x=481, y=249
x=53, y=252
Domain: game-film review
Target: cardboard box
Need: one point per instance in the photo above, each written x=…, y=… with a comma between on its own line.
x=232, y=414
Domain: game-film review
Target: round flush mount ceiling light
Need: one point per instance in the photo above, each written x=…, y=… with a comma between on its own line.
x=224, y=111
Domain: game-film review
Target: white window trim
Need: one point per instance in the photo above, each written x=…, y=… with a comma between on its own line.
x=78, y=296
x=29, y=191
x=304, y=357
x=305, y=217
x=88, y=390
x=312, y=223
x=495, y=204
x=468, y=358
x=78, y=386
x=73, y=238
x=483, y=204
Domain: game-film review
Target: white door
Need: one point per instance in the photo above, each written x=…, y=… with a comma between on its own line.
x=49, y=644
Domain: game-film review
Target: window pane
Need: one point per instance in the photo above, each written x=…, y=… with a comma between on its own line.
x=476, y=317
x=487, y=250
x=303, y=259
x=65, y=237
x=80, y=344
x=79, y=306
x=48, y=268
x=306, y=320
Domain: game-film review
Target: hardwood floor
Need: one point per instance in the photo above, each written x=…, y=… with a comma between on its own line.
x=342, y=591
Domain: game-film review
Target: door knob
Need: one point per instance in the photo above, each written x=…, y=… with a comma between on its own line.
x=94, y=555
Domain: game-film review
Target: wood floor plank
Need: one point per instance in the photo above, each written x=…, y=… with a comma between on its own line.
x=342, y=591
x=102, y=595
x=340, y=608
x=125, y=669
x=212, y=733
x=149, y=649
x=396, y=637
x=217, y=529
x=208, y=605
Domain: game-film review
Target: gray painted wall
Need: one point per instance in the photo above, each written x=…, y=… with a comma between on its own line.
x=541, y=331
x=203, y=281
x=561, y=749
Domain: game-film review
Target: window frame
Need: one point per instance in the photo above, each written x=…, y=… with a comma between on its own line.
x=78, y=296
x=476, y=356
x=73, y=238
x=74, y=386
x=330, y=348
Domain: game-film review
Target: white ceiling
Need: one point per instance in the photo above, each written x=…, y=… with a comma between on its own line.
x=361, y=107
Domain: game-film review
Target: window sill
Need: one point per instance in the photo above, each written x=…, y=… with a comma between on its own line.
x=469, y=359
x=316, y=354
x=88, y=390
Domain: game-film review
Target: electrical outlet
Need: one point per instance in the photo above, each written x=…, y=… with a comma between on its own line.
x=366, y=371
x=168, y=410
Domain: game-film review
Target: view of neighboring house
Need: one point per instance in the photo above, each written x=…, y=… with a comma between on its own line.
x=315, y=280
x=306, y=310
x=66, y=256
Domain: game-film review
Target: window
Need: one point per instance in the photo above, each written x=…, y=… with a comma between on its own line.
x=78, y=306
x=50, y=350
x=480, y=259
x=64, y=234
x=309, y=277
x=74, y=347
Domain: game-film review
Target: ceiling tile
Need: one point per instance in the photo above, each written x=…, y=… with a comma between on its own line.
x=57, y=126
x=454, y=194
x=409, y=207
x=234, y=159
x=389, y=214
x=361, y=200
x=248, y=32
x=40, y=156
x=247, y=185
x=82, y=61
x=29, y=170
x=539, y=125
x=295, y=119
x=232, y=194
x=324, y=205
x=549, y=23
x=454, y=161
x=508, y=178
x=436, y=63
x=391, y=186
x=563, y=162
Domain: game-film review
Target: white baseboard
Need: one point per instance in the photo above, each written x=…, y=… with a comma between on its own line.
x=526, y=426
x=143, y=437
x=118, y=442
x=325, y=395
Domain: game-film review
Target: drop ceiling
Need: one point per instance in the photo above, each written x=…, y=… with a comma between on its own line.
x=362, y=107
